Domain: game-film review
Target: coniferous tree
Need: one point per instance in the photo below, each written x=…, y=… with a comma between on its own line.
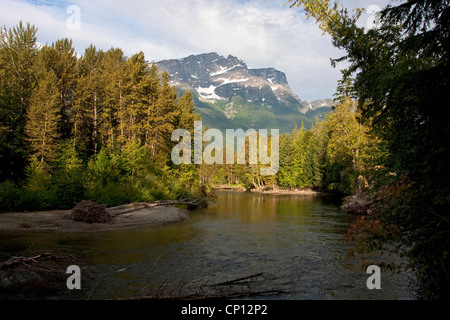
x=135, y=96
x=186, y=109
x=43, y=118
x=316, y=155
x=96, y=127
x=299, y=156
x=89, y=96
x=18, y=52
x=153, y=84
x=163, y=116
x=60, y=58
x=286, y=174
x=113, y=70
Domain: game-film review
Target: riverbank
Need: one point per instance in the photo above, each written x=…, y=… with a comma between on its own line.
x=308, y=192
x=60, y=220
x=272, y=191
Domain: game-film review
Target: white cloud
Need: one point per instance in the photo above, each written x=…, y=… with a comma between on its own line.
x=262, y=33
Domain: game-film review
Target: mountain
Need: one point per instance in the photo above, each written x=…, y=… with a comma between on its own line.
x=230, y=95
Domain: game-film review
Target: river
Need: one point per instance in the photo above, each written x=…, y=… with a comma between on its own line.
x=293, y=245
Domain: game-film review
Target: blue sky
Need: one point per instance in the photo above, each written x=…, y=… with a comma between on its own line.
x=263, y=33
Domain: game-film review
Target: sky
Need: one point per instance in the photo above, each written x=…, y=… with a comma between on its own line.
x=262, y=33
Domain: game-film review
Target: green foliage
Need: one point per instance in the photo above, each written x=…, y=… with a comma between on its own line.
x=18, y=51
x=335, y=155
x=96, y=127
x=401, y=75
x=43, y=119
x=16, y=198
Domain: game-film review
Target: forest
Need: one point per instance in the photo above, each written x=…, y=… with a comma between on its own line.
x=98, y=126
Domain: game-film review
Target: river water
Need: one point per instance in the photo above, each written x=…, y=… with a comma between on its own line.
x=292, y=245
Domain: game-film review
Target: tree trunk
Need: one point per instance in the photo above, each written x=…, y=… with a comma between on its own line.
x=95, y=124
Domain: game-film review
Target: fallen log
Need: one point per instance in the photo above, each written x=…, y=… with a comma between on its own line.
x=27, y=262
x=194, y=203
x=115, y=211
x=126, y=208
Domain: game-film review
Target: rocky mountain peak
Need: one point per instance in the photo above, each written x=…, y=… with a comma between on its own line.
x=215, y=78
x=225, y=88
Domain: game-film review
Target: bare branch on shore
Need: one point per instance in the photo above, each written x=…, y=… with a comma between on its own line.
x=33, y=263
x=190, y=203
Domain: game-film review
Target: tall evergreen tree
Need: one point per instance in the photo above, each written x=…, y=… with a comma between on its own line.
x=299, y=141
x=186, y=109
x=163, y=115
x=135, y=96
x=60, y=58
x=18, y=51
x=112, y=128
x=88, y=102
x=43, y=118
x=286, y=175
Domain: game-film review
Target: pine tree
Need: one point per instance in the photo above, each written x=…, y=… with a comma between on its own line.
x=316, y=155
x=60, y=58
x=43, y=118
x=152, y=92
x=135, y=96
x=112, y=126
x=162, y=118
x=18, y=52
x=89, y=99
x=186, y=109
x=299, y=156
x=286, y=175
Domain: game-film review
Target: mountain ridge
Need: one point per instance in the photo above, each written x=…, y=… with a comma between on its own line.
x=229, y=94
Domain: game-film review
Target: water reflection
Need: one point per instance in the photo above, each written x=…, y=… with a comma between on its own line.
x=296, y=242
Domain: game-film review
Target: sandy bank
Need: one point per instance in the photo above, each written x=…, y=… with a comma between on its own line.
x=272, y=191
x=60, y=221
x=307, y=192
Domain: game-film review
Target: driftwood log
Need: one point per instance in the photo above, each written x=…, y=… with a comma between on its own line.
x=43, y=271
x=126, y=208
x=91, y=212
x=223, y=293
x=27, y=262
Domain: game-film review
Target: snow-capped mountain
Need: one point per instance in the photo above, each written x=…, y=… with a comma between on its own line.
x=225, y=90
x=317, y=104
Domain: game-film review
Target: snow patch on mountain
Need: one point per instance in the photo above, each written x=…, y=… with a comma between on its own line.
x=227, y=80
x=224, y=70
x=208, y=93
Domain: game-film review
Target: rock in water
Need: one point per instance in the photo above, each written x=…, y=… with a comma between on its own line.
x=90, y=212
